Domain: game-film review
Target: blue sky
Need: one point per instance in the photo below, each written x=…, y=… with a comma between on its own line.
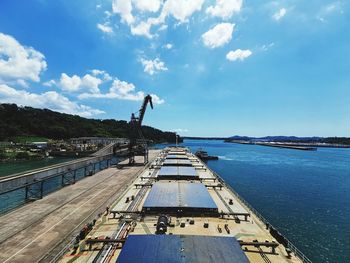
x=214, y=68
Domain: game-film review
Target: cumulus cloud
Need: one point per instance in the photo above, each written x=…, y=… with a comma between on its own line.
x=105, y=28
x=49, y=99
x=147, y=5
x=141, y=25
x=102, y=74
x=238, y=54
x=90, y=86
x=279, y=14
x=153, y=66
x=50, y=83
x=218, y=36
x=225, y=8
x=19, y=62
x=75, y=83
x=124, y=9
x=182, y=9
x=156, y=99
x=121, y=90
x=142, y=29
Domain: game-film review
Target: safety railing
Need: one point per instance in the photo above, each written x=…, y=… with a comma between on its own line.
x=20, y=195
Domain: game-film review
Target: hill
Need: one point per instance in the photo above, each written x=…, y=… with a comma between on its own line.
x=18, y=121
x=293, y=139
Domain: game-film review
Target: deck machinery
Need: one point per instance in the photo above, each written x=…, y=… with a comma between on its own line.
x=138, y=145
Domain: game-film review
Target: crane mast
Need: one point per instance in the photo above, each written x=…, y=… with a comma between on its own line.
x=138, y=144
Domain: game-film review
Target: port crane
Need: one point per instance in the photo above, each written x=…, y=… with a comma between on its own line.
x=137, y=143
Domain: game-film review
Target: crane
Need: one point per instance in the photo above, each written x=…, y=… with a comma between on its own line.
x=138, y=144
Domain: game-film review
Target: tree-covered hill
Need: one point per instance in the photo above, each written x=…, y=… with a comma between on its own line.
x=26, y=121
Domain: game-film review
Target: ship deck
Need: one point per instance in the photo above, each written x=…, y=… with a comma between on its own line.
x=200, y=206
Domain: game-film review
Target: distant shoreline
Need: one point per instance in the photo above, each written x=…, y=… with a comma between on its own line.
x=293, y=145
x=284, y=141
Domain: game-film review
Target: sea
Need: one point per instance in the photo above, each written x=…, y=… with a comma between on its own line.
x=304, y=194
x=9, y=168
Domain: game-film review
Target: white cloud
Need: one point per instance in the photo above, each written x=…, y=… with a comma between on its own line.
x=153, y=66
x=50, y=99
x=70, y=84
x=124, y=9
x=89, y=86
x=141, y=25
x=142, y=29
x=219, y=35
x=156, y=99
x=50, y=83
x=105, y=28
x=238, y=54
x=122, y=87
x=19, y=62
x=279, y=14
x=22, y=83
x=101, y=73
x=107, y=14
x=91, y=83
x=168, y=46
x=182, y=9
x=75, y=83
x=225, y=8
x=163, y=27
x=147, y=5
x=121, y=90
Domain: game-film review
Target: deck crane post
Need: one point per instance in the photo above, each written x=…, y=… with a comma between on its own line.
x=138, y=143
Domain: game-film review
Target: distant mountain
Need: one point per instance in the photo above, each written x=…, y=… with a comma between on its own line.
x=203, y=138
x=18, y=121
x=332, y=140
x=277, y=138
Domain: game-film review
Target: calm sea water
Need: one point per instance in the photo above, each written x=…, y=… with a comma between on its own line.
x=18, y=167
x=305, y=194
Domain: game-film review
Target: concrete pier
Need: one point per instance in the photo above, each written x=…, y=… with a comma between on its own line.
x=32, y=232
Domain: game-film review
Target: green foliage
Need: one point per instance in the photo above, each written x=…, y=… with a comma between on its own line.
x=3, y=156
x=26, y=122
x=26, y=139
x=22, y=155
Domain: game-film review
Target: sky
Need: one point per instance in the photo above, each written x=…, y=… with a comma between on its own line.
x=213, y=68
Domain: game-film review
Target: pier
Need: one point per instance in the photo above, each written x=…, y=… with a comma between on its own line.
x=37, y=231
x=33, y=185
x=293, y=146
x=287, y=146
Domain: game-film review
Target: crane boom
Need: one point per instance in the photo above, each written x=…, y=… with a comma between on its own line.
x=147, y=99
x=138, y=144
